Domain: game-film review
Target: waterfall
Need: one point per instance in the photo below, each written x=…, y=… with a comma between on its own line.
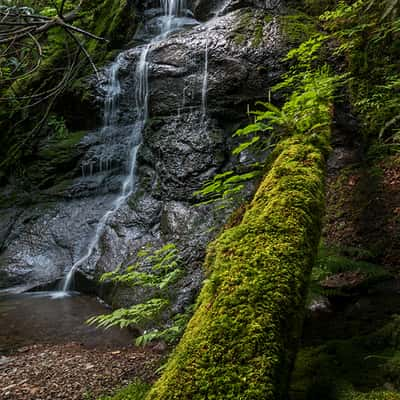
x=172, y=9
x=135, y=140
x=205, y=84
x=112, y=92
x=223, y=8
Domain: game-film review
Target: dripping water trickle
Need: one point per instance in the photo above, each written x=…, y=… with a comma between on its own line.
x=110, y=114
x=172, y=9
x=205, y=84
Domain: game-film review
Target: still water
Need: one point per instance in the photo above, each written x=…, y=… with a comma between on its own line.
x=37, y=318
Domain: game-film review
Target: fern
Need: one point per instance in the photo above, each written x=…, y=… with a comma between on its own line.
x=139, y=314
x=306, y=112
x=366, y=32
x=170, y=334
x=165, y=270
x=389, y=7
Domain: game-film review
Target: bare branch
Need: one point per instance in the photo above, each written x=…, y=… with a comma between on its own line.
x=85, y=53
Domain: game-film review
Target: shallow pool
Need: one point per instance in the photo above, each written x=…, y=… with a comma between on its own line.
x=42, y=317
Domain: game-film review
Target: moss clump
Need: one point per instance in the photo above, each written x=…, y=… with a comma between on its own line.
x=297, y=27
x=57, y=146
x=114, y=20
x=241, y=342
x=331, y=262
x=358, y=368
x=135, y=391
x=317, y=7
x=249, y=29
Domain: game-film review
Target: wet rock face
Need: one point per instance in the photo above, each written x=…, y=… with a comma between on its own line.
x=186, y=141
x=206, y=9
x=243, y=60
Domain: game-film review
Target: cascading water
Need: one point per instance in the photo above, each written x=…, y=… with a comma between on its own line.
x=173, y=9
x=112, y=92
x=129, y=182
x=205, y=83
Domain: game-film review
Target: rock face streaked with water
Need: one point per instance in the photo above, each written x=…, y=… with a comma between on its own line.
x=181, y=145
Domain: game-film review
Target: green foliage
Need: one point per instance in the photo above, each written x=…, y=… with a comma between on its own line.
x=331, y=261
x=26, y=103
x=57, y=125
x=171, y=334
x=368, y=39
x=165, y=270
x=241, y=341
x=227, y=185
x=306, y=112
x=390, y=8
x=356, y=368
x=317, y=7
x=297, y=27
x=139, y=314
x=137, y=390
x=330, y=264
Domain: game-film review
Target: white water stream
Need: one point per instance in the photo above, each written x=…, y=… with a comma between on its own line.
x=205, y=84
x=172, y=9
x=112, y=92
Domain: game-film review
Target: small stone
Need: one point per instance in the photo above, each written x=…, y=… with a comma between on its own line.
x=320, y=304
x=160, y=347
x=389, y=386
x=4, y=361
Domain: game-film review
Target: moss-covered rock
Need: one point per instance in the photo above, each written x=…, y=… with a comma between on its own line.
x=297, y=27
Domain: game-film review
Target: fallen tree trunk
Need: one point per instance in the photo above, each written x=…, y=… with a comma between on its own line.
x=242, y=339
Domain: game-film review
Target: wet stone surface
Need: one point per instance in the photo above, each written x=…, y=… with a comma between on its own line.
x=185, y=142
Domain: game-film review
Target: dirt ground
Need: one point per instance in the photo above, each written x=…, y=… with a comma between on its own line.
x=72, y=372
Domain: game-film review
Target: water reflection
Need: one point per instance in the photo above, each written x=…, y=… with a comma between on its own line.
x=36, y=318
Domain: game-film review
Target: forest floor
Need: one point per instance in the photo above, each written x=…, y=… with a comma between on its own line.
x=72, y=371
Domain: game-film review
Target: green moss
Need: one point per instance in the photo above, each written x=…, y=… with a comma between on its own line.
x=331, y=261
x=258, y=35
x=317, y=7
x=135, y=391
x=54, y=164
x=351, y=394
x=357, y=368
x=115, y=21
x=240, y=38
x=242, y=339
x=56, y=147
x=250, y=28
x=297, y=27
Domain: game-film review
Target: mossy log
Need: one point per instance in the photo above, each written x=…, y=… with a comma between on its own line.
x=242, y=340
